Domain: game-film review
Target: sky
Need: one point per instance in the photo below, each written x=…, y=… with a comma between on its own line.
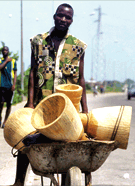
x=109, y=57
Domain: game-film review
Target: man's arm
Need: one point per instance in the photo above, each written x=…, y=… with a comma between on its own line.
x=5, y=62
x=82, y=83
x=30, y=102
x=14, y=81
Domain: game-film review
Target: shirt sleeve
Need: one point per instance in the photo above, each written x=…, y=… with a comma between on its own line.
x=14, y=65
x=36, y=41
x=82, y=45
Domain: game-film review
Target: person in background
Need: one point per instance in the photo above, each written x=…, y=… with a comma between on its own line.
x=95, y=90
x=57, y=57
x=8, y=75
x=101, y=89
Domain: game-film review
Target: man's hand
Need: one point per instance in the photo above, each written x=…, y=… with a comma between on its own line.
x=9, y=59
x=5, y=62
x=29, y=105
x=13, y=88
x=85, y=110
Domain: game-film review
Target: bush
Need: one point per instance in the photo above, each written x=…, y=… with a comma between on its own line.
x=87, y=87
x=17, y=98
x=18, y=91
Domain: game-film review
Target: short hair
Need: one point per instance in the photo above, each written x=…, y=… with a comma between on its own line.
x=65, y=5
x=5, y=47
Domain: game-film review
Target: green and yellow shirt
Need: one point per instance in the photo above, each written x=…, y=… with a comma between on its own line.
x=7, y=73
x=67, y=60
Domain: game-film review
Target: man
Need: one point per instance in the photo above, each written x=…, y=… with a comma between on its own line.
x=8, y=69
x=57, y=57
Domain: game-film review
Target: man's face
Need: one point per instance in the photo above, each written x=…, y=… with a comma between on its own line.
x=63, y=18
x=5, y=51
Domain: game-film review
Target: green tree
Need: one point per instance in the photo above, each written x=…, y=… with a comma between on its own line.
x=87, y=86
x=18, y=91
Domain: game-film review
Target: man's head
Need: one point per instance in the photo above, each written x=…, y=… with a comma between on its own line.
x=63, y=17
x=5, y=51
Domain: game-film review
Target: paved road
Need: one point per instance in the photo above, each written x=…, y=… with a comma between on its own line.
x=118, y=169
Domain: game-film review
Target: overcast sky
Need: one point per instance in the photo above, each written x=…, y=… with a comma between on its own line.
x=112, y=58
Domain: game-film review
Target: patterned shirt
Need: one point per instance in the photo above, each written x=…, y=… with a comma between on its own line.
x=46, y=58
x=7, y=73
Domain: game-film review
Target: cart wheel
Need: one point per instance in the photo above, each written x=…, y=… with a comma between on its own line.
x=74, y=177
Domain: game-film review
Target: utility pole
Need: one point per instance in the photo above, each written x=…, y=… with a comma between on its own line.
x=92, y=51
x=52, y=10
x=99, y=49
x=98, y=39
x=92, y=61
x=105, y=82
x=22, y=71
x=99, y=21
